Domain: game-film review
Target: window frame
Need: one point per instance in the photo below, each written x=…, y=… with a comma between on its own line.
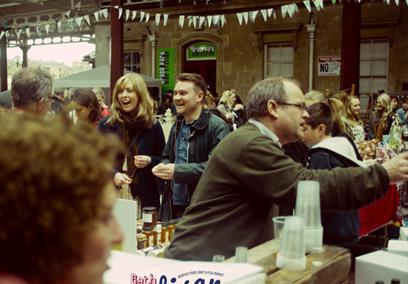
x=266, y=53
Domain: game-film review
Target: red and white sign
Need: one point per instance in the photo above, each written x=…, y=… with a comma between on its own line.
x=329, y=65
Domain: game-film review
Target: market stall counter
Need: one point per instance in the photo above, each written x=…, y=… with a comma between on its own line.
x=330, y=266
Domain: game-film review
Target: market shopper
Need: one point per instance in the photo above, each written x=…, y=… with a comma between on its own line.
x=134, y=122
x=192, y=138
x=86, y=105
x=31, y=91
x=248, y=173
x=56, y=199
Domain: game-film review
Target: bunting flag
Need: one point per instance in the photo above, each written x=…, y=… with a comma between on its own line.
x=223, y=20
x=333, y=2
x=201, y=22
x=38, y=31
x=134, y=14
x=190, y=21
x=142, y=15
x=292, y=9
x=181, y=21
x=388, y=2
x=96, y=15
x=47, y=28
x=216, y=19
x=78, y=21
x=1, y=34
x=239, y=16
x=165, y=19
x=59, y=25
x=245, y=15
x=319, y=4
x=105, y=13
x=127, y=14
x=7, y=34
x=157, y=19
x=270, y=12
x=210, y=19
x=87, y=19
x=397, y=2
x=67, y=13
x=264, y=14
x=147, y=17
x=253, y=15
x=18, y=33
x=284, y=10
x=307, y=5
x=274, y=14
x=120, y=13
x=27, y=31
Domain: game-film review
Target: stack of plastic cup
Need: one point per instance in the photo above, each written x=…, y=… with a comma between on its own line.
x=291, y=255
x=308, y=207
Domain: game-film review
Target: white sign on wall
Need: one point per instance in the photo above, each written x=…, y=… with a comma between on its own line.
x=329, y=65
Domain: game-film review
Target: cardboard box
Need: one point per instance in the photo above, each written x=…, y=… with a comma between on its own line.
x=398, y=247
x=381, y=265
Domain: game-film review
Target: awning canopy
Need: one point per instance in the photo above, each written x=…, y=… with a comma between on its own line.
x=97, y=77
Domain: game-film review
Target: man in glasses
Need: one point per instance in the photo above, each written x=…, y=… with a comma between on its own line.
x=248, y=173
x=31, y=90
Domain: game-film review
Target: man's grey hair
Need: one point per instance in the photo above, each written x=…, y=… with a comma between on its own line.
x=263, y=91
x=30, y=85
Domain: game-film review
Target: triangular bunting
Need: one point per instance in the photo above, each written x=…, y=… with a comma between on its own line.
x=157, y=19
x=27, y=31
x=78, y=21
x=105, y=13
x=216, y=19
x=264, y=14
x=147, y=17
x=307, y=5
x=239, y=16
x=245, y=16
x=284, y=10
x=47, y=28
x=96, y=15
x=270, y=12
x=165, y=19
x=127, y=14
x=223, y=20
x=181, y=21
x=87, y=19
x=134, y=14
x=120, y=13
x=19, y=33
x=397, y=2
x=210, y=20
x=59, y=25
x=38, y=31
x=67, y=13
x=333, y=2
x=253, y=15
x=142, y=15
x=201, y=22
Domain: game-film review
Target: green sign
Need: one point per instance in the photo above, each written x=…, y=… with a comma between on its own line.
x=201, y=51
x=166, y=63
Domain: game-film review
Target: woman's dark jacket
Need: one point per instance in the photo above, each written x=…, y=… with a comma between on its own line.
x=149, y=142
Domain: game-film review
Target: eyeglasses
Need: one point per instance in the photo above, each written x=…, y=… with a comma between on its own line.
x=301, y=106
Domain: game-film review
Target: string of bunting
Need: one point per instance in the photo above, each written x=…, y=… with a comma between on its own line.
x=80, y=23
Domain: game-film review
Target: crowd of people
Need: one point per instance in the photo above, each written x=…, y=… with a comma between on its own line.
x=224, y=172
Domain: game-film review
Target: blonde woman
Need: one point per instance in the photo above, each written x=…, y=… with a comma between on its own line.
x=354, y=124
x=226, y=105
x=133, y=120
x=381, y=118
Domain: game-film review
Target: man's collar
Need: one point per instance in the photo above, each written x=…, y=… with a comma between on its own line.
x=265, y=130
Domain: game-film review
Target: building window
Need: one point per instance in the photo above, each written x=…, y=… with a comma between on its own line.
x=278, y=61
x=131, y=61
x=373, y=66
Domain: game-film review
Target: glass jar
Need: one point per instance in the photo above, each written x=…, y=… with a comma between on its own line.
x=149, y=218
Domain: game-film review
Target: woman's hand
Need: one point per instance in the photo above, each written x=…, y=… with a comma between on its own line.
x=142, y=161
x=164, y=171
x=121, y=178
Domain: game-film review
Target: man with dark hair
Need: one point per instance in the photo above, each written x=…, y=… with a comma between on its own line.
x=192, y=138
x=248, y=173
x=31, y=90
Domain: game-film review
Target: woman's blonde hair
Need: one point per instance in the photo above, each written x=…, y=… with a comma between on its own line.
x=350, y=115
x=145, y=107
x=383, y=116
x=226, y=98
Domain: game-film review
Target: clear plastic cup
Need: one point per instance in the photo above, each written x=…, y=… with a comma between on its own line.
x=291, y=255
x=278, y=223
x=241, y=254
x=308, y=207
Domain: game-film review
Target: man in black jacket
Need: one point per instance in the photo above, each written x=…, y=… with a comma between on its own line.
x=192, y=138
